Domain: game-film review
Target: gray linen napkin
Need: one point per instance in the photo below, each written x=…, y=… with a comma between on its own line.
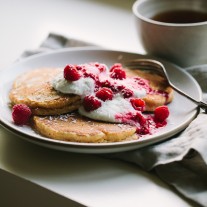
x=181, y=161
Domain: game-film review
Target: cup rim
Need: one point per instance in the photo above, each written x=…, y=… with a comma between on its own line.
x=143, y=18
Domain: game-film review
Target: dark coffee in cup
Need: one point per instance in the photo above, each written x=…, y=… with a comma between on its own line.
x=181, y=16
x=175, y=30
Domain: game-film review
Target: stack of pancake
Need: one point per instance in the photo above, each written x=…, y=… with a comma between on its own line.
x=55, y=114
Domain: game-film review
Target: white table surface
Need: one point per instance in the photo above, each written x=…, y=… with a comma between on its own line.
x=87, y=179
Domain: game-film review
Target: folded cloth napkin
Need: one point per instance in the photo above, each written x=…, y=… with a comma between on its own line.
x=180, y=161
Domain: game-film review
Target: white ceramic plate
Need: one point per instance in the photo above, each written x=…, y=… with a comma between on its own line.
x=182, y=111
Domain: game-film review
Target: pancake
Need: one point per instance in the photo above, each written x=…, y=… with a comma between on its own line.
x=50, y=109
x=76, y=128
x=163, y=93
x=34, y=89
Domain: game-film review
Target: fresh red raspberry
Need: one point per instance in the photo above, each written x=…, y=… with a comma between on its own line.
x=104, y=94
x=79, y=67
x=161, y=113
x=106, y=83
x=21, y=114
x=138, y=104
x=71, y=73
x=120, y=87
x=127, y=93
x=118, y=74
x=90, y=103
x=115, y=66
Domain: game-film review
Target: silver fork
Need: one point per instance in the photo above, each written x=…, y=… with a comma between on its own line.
x=149, y=64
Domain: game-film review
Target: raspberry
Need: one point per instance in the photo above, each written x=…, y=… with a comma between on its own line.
x=138, y=104
x=121, y=87
x=90, y=103
x=104, y=94
x=115, y=66
x=161, y=113
x=127, y=93
x=118, y=73
x=106, y=83
x=78, y=67
x=21, y=114
x=71, y=73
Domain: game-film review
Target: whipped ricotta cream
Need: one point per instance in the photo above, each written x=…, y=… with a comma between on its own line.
x=109, y=109
x=107, y=94
x=81, y=87
x=86, y=86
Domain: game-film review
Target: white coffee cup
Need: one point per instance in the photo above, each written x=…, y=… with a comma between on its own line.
x=182, y=43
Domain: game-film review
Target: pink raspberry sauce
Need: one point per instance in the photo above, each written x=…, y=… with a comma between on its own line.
x=113, y=83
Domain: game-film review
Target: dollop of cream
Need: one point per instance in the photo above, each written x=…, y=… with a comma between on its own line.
x=81, y=87
x=86, y=86
x=109, y=109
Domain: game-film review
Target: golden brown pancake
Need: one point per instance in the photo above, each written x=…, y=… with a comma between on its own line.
x=76, y=128
x=35, y=90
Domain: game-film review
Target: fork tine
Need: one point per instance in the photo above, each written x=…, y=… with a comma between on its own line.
x=154, y=65
x=146, y=64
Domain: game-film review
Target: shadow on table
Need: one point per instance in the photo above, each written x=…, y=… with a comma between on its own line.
x=31, y=160
x=68, y=172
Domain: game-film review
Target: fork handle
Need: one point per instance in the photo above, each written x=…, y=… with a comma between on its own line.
x=200, y=104
x=203, y=105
